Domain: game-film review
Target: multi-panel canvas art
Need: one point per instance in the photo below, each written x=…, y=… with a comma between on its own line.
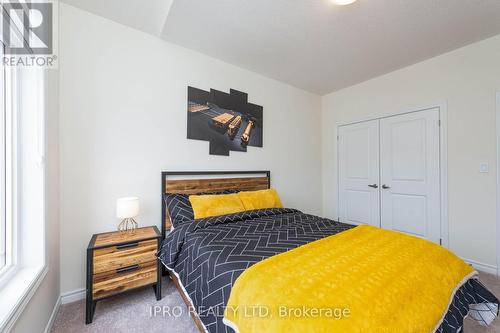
x=228, y=121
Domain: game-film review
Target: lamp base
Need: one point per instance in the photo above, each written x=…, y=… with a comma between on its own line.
x=127, y=224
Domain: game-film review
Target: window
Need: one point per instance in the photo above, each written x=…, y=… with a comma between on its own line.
x=22, y=187
x=3, y=236
x=7, y=154
x=22, y=173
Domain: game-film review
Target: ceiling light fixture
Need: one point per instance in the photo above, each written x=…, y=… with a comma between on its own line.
x=343, y=2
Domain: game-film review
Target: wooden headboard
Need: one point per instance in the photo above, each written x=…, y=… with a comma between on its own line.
x=193, y=182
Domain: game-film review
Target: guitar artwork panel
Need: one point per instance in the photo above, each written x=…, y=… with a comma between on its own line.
x=227, y=120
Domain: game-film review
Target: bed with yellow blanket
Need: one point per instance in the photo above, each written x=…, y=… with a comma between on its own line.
x=280, y=270
x=362, y=280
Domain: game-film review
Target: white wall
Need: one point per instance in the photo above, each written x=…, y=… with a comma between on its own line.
x=123, y=98
x=467, y=79
x=38, y=311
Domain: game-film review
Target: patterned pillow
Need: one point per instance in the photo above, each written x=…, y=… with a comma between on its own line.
x=179, y=207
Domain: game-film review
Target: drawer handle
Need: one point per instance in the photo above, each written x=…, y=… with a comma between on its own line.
x=127, y=269
x=126, y=246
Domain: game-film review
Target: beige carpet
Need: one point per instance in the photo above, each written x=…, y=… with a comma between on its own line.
x=132, y=312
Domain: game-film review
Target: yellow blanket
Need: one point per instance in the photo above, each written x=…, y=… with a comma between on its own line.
x=365, y=279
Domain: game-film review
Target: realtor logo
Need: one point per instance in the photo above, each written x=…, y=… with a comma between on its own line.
x=28, y=33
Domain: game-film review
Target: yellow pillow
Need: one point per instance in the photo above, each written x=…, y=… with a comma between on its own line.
x=260, y=199
x=215, y=205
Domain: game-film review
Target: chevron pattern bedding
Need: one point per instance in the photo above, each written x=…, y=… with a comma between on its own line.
x=209, y=254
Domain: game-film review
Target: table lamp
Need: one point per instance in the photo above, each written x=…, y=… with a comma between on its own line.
x=126, y=209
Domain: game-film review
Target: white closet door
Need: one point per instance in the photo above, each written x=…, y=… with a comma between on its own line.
x=359, y=173
x=409, y=164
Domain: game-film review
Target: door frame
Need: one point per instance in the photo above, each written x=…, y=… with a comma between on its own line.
x=443, y=158
x=498, y=179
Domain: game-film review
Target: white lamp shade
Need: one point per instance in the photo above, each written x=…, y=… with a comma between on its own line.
x=127, y=207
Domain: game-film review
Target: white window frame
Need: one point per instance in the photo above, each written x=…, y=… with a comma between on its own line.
x=26, y=226
x=10, y=103
x=4, y=261
x=9, y=174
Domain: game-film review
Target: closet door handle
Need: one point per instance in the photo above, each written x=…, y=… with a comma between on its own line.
x=385, y=187
x=373, y=186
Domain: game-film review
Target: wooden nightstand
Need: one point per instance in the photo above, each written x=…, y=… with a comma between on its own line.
x=121, y=261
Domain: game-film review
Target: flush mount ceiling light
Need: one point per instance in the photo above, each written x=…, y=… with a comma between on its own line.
x=343, y=2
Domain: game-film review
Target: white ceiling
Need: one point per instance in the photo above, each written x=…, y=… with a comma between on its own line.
x=145, y=15
x=311, y=44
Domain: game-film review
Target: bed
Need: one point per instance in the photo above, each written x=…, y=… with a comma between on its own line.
x=205, y=257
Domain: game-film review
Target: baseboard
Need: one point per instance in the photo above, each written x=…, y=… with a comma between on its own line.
x=73, y=296
x=65, y=298
x=486, y=268
x=50, y=323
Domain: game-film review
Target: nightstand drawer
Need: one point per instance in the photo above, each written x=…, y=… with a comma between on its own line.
x=115, y=257
x=113, y=282
x=120, y=261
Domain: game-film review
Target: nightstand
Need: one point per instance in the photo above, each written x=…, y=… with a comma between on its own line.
x=121, y=261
